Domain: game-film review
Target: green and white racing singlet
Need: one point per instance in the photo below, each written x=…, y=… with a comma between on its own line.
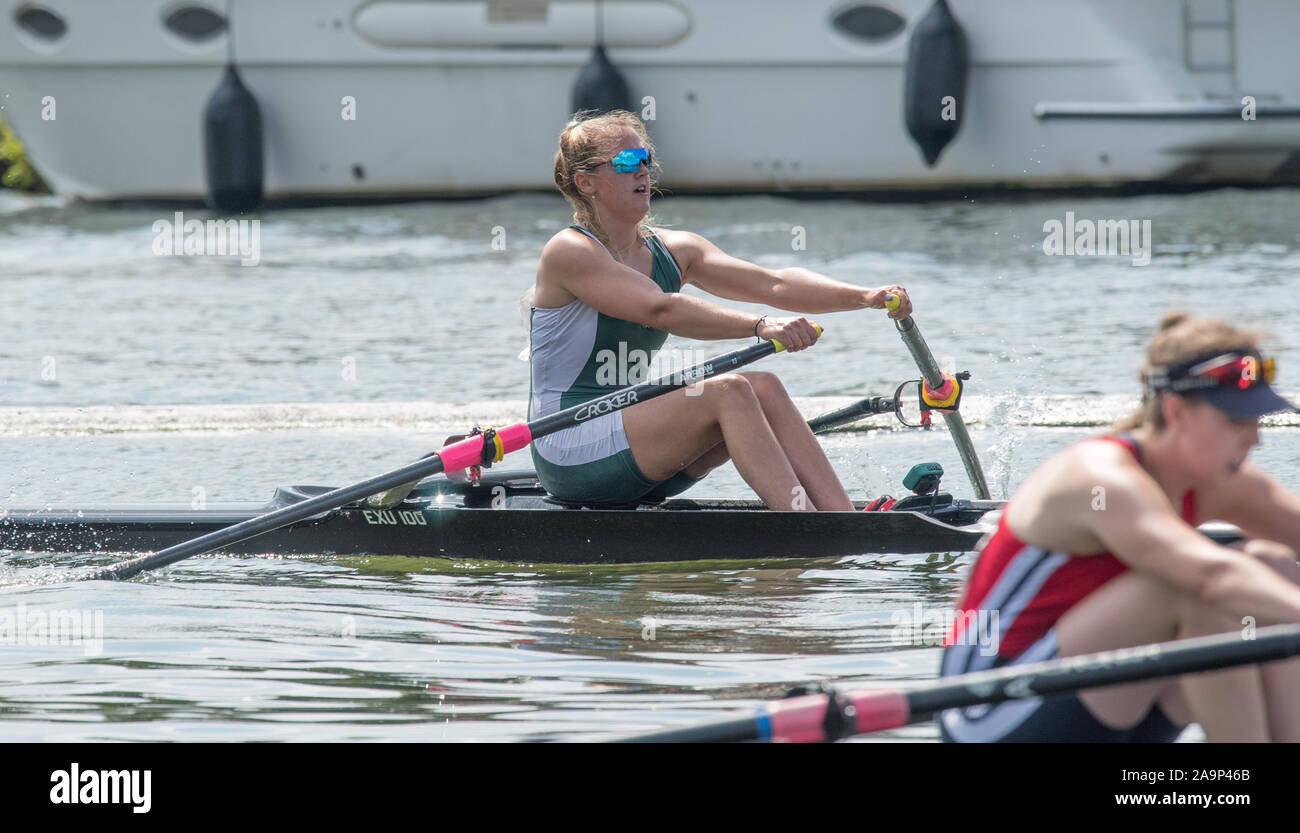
x=576, y=355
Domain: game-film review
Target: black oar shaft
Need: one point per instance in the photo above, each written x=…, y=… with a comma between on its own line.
x=729, y=731
x=425, y=467
x=870, y=406
x=877, y=709
x=626, y=397
x=253, y=527
x=1127, y=665
x=934, y=379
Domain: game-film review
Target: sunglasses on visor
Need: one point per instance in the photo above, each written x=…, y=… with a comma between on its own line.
x=1237, y=370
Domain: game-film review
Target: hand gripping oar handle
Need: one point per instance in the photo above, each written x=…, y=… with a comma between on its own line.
x=934, y=379
x=808, y=718
x=476, y=449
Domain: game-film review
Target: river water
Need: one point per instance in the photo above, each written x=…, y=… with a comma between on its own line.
x=363, y=336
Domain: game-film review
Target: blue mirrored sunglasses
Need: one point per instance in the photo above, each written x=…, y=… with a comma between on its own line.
x=627, y=161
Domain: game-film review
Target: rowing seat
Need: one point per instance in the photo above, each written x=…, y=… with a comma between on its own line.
x=603, y=504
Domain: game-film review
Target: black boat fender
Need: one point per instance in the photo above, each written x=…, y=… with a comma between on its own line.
x=600, y=86
x=934, y=93
x=232, y=146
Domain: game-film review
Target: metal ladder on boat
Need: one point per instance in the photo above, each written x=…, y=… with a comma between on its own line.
x=1210, y=45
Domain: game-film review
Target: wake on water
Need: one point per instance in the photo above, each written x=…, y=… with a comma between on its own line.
x=1001, y=411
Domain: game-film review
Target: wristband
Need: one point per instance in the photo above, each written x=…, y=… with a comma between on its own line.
x=759, y=323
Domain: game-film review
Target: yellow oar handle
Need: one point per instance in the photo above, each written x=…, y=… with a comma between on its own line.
x=892, y=302
x=780, y=347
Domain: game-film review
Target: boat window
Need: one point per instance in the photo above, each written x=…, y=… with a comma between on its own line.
x=870, y=23
x=517, y=11
x=40, y=22
x=196, y=23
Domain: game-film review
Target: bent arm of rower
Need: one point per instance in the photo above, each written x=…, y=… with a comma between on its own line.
x=1140, y=527
x=622, y=292
x=1257, y=504
x=795, y=289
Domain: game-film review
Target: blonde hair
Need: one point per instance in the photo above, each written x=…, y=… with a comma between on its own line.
x=1181, y=336
x=584, y=143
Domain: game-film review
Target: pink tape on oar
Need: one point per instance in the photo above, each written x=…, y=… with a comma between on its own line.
x=462, y=454
x=876, y=710
x=514, y=437
x=799, y=719
x=468, y=452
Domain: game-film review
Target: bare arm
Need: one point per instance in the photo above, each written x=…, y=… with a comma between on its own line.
x=1138, y=525
x=1255, y=502
x=795, y=289
x=584, y=271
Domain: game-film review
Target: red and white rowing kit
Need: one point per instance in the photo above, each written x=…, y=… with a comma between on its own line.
x=1016, y=594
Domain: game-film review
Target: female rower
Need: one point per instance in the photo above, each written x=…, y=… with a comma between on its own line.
x=1098, y=550
x=608, y=286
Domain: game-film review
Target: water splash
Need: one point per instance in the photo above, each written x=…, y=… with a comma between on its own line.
x=18, y=575
x=1008, y=412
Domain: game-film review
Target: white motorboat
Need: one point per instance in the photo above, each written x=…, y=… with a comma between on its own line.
x=362, y=99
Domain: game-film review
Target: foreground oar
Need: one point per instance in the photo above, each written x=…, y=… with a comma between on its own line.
x=935, y=380
x=821, y=717
x=478, y=449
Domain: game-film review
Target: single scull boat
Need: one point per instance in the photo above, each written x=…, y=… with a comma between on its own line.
x=507, y=516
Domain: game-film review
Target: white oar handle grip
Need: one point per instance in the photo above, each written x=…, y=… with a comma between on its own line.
x=781, y=347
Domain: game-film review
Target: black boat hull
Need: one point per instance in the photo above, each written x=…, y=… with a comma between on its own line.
x=507, y=517
x=518, y=525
